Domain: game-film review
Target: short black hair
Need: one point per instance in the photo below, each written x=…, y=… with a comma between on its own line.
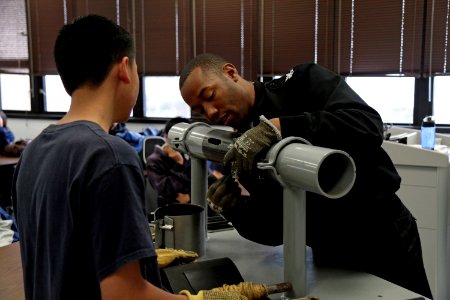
x=173, y=121
x=86, y=50
x=206, y=61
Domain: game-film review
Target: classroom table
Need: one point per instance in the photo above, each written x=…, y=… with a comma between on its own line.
x=7, y=161
x=11, y=280
x=256, y=263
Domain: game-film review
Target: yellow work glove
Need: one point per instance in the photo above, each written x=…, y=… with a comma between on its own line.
x=171, y=257
x=243, y=152
x=212, y=295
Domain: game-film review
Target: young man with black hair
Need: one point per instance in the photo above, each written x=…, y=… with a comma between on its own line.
x=79, y=191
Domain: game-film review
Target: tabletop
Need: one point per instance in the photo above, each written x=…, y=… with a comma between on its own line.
x=257, y=263
x=11, y=280
x=6, y=160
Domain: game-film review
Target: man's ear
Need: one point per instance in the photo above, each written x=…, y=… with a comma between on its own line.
x=230, y=71
x=125, y=69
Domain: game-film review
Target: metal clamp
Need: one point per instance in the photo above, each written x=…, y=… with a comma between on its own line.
x=272, y=155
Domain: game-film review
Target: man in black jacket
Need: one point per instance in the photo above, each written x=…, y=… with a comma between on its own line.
x=369, y=229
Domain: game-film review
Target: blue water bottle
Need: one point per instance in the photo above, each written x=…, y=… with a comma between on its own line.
x=428, y=133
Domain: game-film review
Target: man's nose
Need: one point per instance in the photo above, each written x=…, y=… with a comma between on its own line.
x=211, y=112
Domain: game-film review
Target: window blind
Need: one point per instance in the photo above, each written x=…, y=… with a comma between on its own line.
x=288, y=35
x=162, y=36
x=228, y=28
x=268, y=37
x=13, y=37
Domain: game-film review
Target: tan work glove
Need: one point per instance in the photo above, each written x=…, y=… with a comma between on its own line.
x=242, y=153
x=223, y=194
x=171, y=257
x=212, y=295
x=250, y=290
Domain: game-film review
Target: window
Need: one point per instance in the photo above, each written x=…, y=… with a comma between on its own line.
x=56, y=97
x=15, y=92
x=441, y=99
x=162, y=98
x=392, y=97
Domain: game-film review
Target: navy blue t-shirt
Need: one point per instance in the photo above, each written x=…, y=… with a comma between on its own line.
x=79, y=201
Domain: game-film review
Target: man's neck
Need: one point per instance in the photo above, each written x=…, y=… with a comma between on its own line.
x=89, y=105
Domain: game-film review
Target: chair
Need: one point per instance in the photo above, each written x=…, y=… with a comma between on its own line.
x=151, y=200
x=149, y=146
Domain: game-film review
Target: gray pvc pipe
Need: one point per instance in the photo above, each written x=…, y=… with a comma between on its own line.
x=200, y=140
x=323, y=171
x=300, y=167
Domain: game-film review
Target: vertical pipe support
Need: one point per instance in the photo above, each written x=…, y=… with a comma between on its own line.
x=294, y=240
x=199, y=186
